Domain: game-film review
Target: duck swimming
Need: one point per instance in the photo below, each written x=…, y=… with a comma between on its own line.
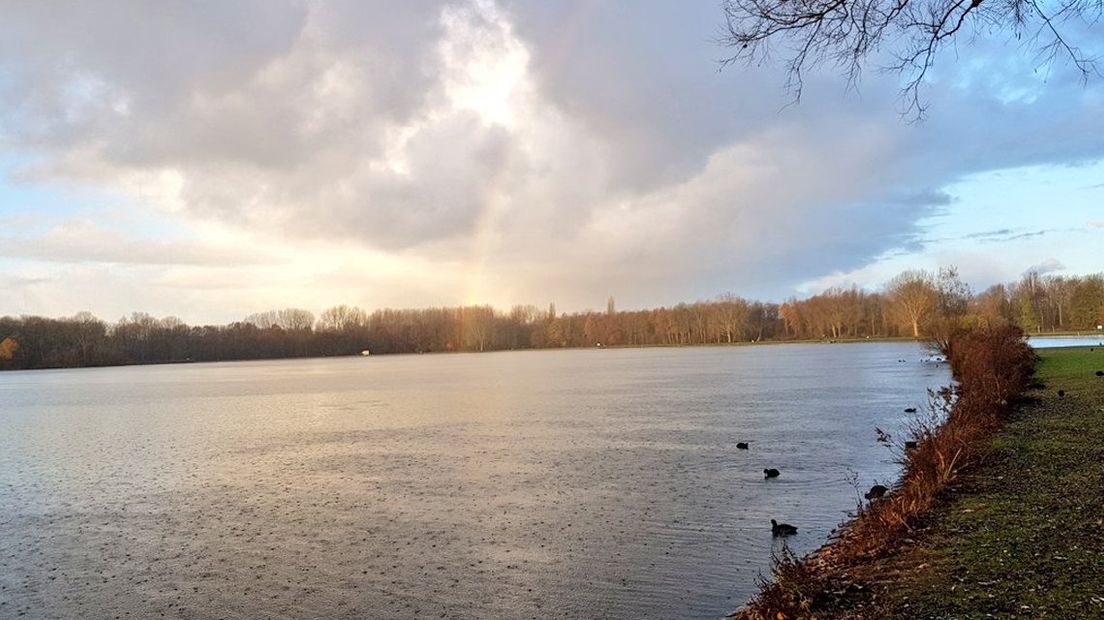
x=782, y=529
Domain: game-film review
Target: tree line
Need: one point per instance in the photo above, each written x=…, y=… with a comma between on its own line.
x=915, y=304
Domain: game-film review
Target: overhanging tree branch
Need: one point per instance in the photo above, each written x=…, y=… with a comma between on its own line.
x=847, y=33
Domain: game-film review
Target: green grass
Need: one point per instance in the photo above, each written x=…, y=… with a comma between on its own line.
x=1023, y=534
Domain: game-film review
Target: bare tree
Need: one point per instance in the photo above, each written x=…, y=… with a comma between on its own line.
x=732, y=316
x=292, y=319
x=847, y=33
x=914, y=296
x=478, y=324
x=342, y=319
x=954, y=295
x=1059, y=293
x=263, y=320
x=992, y=306
x=295, y=319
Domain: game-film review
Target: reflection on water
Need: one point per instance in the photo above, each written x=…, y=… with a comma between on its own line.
x=563, y=483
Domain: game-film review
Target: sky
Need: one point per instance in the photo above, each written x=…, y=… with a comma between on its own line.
x=209, y=160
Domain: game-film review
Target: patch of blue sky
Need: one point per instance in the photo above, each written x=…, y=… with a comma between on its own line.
x=29, y=208
x=1021, y=218
x=1015, y=70
x=31, y=203
x=999, y=224
x=1004, y=205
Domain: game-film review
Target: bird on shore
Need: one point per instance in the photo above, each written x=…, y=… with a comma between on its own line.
x=911, y=445
x=1061, y=393
x=771, y=473
x=742, y=445
x=910, y=409
x=782, y=529
x=1100, y=373
x=877, y=491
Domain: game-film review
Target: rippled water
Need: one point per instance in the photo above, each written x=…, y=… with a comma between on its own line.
x=599, y=483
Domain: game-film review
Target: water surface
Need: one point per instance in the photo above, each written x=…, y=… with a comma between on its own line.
x=581, y=483
x=1042, y=342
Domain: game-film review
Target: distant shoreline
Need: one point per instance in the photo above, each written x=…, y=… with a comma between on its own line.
x=535, y=349
x=518, y=350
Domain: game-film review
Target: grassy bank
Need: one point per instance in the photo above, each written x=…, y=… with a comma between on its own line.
x=1019, y=532
x=1023, y=534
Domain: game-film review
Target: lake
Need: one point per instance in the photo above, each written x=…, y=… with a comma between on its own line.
x=580, y=483
x=1042, y=342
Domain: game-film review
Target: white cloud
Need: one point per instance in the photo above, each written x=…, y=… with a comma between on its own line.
x=83, y=241
x=470, y=151
x=1050, y=265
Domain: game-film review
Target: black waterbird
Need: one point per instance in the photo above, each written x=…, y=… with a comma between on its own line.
x=782, y=529
x=771, y=473
x=876, y=492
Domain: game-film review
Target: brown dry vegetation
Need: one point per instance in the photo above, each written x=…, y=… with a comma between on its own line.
x=992, y=367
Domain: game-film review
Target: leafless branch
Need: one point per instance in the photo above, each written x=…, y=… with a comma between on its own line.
x=847, y=34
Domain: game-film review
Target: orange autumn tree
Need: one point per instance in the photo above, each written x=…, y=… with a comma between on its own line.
x=8, y=347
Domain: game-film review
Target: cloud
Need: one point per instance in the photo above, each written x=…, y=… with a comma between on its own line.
x=82, y=241
x=926, y=197
x=1049, y=265
x=480, y=151
x=1004, y=234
